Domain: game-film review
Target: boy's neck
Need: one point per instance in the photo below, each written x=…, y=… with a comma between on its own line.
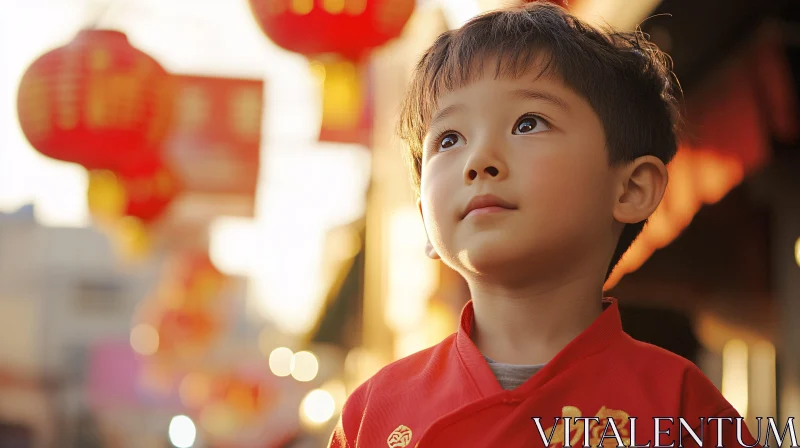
x=530, y=325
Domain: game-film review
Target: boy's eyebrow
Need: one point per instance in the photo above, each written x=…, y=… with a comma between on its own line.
x=446, y=112
x=528, y=94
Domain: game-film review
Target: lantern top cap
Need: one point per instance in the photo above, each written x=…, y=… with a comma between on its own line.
x=105, y=34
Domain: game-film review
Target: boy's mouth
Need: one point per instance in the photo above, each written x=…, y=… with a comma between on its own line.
x=486, y=203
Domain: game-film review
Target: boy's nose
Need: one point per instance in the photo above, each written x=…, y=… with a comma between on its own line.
x=490, y=171
x=485, y=164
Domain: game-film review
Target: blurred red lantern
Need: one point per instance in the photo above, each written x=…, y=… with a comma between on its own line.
x=186, y=332
x=96, y=101
x=201, y=281
x=348, y=28
x=336, y=34
x=246, y=397
x=149, y=186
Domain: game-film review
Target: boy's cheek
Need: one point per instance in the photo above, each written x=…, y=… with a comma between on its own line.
x=561, y=199
x=564, y=177
x=438, y=188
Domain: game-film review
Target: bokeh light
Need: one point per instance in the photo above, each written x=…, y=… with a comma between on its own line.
x=317, y=407
x=280, y=361
x=182, y=432
x=144, y=339
x=797, y=251
x=304, y=366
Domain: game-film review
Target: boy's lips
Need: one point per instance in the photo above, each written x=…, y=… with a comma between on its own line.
x=488, y=203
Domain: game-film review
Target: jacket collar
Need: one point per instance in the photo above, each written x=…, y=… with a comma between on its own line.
x=602, y=333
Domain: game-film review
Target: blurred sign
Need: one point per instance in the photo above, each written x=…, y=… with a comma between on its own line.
x=216, y=141
x=214, y=151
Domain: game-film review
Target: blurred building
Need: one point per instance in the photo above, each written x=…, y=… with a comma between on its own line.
x=62, y=292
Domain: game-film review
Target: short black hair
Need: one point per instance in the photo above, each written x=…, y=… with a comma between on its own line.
x=625, y=78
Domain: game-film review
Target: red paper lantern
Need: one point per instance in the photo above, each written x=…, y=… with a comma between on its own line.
x=149, y=185
x=203, y=282
x=96, y=101
x=348, y=28
x=245, y=396
x=186, y=332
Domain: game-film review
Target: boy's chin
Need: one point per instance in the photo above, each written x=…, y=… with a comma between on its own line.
x=495, y=262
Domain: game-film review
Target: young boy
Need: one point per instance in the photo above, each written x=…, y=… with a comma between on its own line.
x=538, y=146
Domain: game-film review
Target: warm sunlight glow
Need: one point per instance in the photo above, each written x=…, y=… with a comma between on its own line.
x=295, y=214
x=763, y=379
x=734, y=375
x=412, y=275
x=230, y=244
x=457, y=12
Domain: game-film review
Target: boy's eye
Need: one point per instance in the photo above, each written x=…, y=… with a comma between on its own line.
x=530, y=124
x=450, y=140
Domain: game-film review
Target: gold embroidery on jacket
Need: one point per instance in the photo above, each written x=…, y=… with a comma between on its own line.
x=400, y=437
x=595, y=429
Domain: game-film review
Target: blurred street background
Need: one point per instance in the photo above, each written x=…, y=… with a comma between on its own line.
x=208, y=236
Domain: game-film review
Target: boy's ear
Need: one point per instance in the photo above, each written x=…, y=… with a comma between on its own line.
x=641, y=186
x=429, y=250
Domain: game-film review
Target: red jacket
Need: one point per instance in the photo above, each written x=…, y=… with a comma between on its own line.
x=447, y=396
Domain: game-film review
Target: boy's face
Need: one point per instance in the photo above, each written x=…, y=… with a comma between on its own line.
x=530, y=154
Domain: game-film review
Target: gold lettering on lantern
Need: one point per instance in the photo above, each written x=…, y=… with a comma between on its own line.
x=281, y=6
x=100, y=60
x=276, y=7
x=34, y=114
x=341, y=96
x=302, y=7
x=389, y=13
x=67, y=112
x=333, y=6
x=67, y=116
x=162, y=110
x=113, y=101
x=355, y=7
x=245, y=106
x=96, y=103
x=126, y=89
x=143, y=68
